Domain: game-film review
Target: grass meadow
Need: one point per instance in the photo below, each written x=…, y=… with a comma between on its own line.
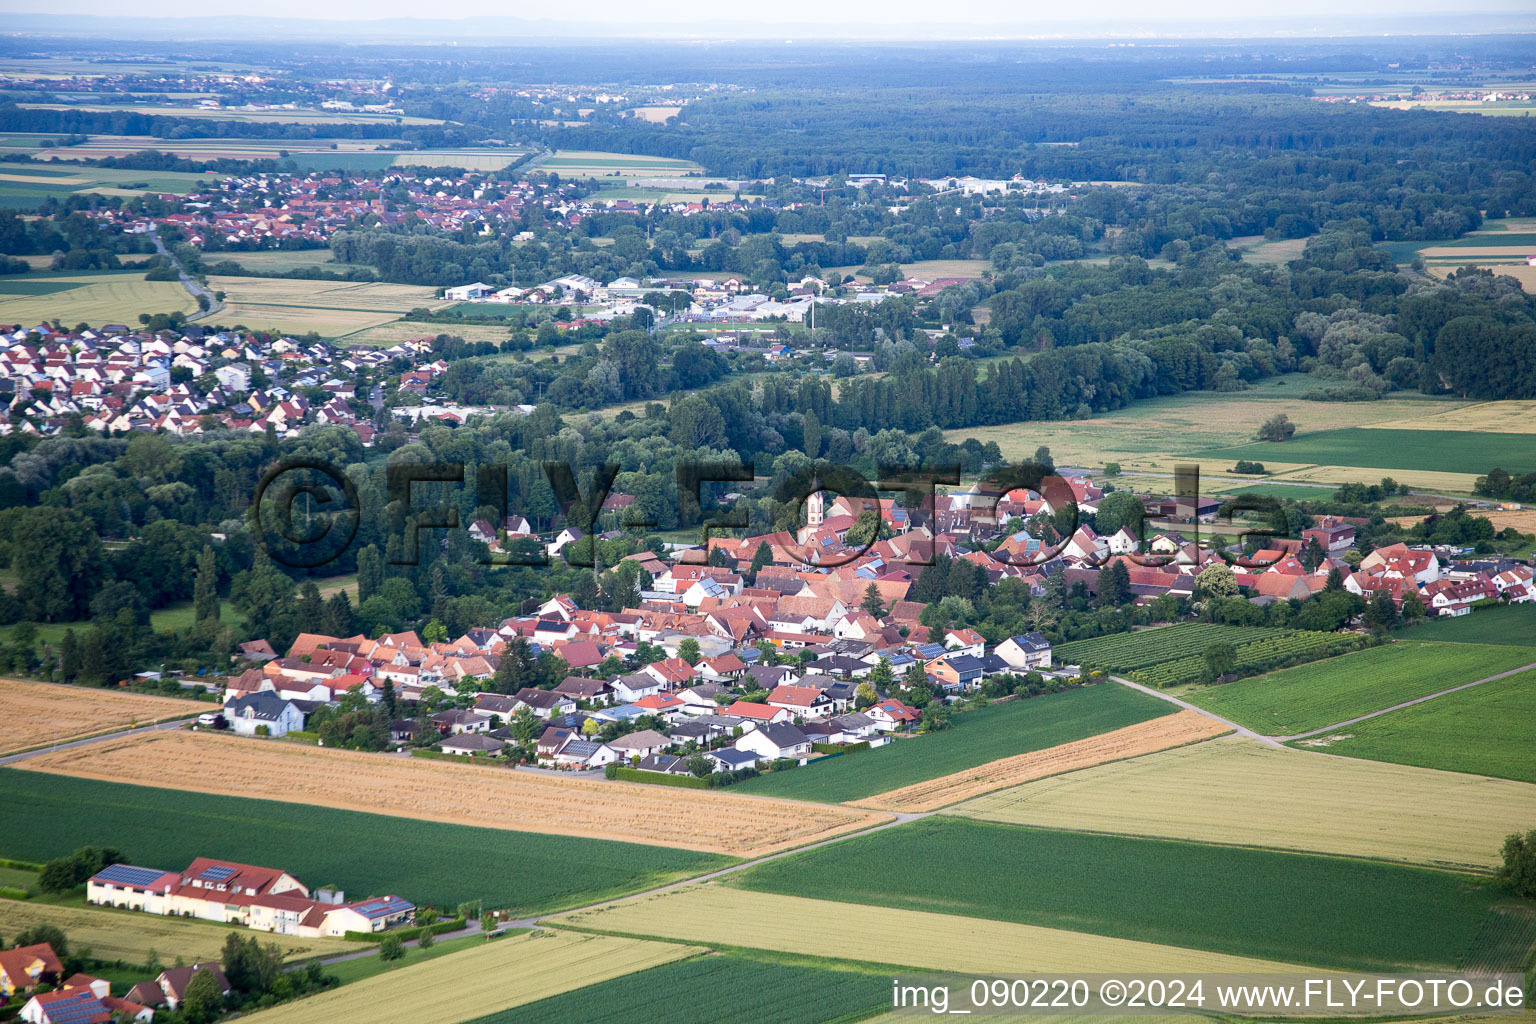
x=1485, y=730
x=1316, y=695
x=974, y=738
x=1126, y=652
x=1513, y=624
x=1326, y=911
x=427, y=862
x=93, y=296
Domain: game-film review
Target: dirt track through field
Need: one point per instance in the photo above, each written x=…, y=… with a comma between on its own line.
x=456, y=793
x=1132, y=741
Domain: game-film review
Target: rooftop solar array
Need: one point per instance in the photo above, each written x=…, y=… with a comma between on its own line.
x=218, y=873
x=383, y=907
x=127, y=874
x=80, y=1008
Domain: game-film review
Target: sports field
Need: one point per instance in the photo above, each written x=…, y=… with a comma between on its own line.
x=1249, y=794
x=1513, y=624
x=1356, y=914
x=1317, y=695
x=708, y=989
x=1132, y=741
x=93, y=296
x=330, y=308
x=728, y=915
x=1444, y=451
x=52, y=815
x=974, y=738
x=129, y=935
x=465, y=794
x=1485, y=730
x=34, y=713
x=482, y=980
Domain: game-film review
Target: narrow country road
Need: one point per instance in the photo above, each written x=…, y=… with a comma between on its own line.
x=1187, y=706
x=193, y=288
x=172, y=723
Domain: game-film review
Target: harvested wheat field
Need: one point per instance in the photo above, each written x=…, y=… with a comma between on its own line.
x=35, y=713
x=130, y=936
x=1132, y=741
x=501, y=974
x=459, y=794
x=1247, y=794
x=1512, y=416
x=883, y=935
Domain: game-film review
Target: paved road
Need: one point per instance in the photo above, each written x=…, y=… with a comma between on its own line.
x=72, y=744
x=192, y=287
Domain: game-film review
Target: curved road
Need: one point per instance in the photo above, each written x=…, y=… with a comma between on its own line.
x=193, y=288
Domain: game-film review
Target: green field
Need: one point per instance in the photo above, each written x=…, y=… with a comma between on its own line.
x=1296, y=908
x=1126, y=652
x=974, y=738
x=1486, y=730
x=1319, y=694
x=1438, y=451
x=427, y=862
x=1512, y=624
x=94, y=296
x=713, y=988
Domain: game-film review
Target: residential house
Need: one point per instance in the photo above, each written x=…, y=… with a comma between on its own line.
x=772, y=741
x=1028, y=652
x=263, y=713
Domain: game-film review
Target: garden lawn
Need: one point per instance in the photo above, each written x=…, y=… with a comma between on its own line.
x=1317, y=695
x=717, y=987
x=426, y=862
x=1485, y=730
x=974, y=738
x=1297, y=908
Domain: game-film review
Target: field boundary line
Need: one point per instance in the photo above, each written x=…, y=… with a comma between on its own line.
x=1399, y=707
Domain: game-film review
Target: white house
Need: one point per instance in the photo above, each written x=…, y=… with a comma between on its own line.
x=770, y=742
x=1028, y=652
x=249, y=714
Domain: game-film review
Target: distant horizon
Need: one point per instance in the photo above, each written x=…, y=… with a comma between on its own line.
x=907, y=22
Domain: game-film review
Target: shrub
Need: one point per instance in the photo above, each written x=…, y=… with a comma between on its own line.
x=391, y=948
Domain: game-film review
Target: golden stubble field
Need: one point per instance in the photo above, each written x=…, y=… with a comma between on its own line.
x=1132, y=741
x=1504, y=417
x=1245, y=793
x=482, y=980
x=909, y=938
x=36, y=713
x=462, y=794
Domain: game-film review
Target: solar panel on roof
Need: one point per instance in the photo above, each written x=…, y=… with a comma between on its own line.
x=76, y=1010
x=127, y=874
x=218, y=873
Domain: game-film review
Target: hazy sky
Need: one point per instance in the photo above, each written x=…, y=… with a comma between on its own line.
x=790, y=14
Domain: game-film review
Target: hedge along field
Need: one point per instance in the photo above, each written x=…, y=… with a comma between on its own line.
x=1485, y=730
x=426, y=862
x=1126, y=652
x=1317, y=695
x=713, y=988
x=1299, y=908
x=974, y=738
x=1438, y=451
